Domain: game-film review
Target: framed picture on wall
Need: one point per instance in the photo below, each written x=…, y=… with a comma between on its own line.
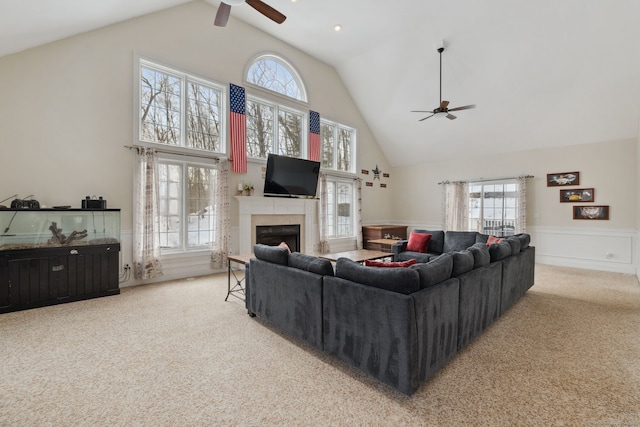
x=563, y=178
x=577, y=195
x=591, y=212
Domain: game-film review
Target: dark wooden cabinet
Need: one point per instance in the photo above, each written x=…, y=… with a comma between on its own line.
x=32, y=278
x=373, y=232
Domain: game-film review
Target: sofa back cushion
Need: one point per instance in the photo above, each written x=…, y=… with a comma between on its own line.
x=481, y=256
x=435, y=271
x=436, y=244
x=273, y=254
x=515, y=244
x=458, y=240
x=462, y=262
x=499, y=251
x=402, y=280
x=525, y=240
x=311, y=264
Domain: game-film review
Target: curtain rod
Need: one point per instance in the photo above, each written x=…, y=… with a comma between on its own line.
x=487, y=180
x=201, y=156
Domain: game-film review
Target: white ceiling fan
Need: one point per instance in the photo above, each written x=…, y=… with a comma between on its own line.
x=443, y=108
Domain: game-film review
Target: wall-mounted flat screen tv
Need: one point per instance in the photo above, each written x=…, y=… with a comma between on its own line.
x=290, y=176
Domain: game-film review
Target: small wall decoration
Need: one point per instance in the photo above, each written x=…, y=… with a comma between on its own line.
x=383, y=185
x=591, y=212
x=564, y=178
x=385, y=175
x=577, y=195
x=369, y=184
x=376, y=172
x=364, y=171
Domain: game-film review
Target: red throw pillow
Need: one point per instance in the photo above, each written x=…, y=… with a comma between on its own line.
x=419, y=242
x=492, y=239
x=374, y=263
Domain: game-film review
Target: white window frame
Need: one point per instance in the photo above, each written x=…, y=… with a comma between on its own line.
x=496, y=227
x=184, y=162
x=185, y=78
x=275, y=149
x=341, y=180
x=280, y=61
x=352, y=147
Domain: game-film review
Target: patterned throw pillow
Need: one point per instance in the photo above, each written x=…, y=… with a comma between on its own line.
x=285, y=246
x=418, y=242
x=492, y=239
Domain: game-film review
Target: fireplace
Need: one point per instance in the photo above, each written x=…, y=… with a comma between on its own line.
x=272, y=235
x=270, y=211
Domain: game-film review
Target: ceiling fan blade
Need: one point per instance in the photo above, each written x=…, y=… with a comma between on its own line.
x=466, y=107
x=421, y=111
x=267, y=10
x=222, y=16
x=425, y=118
x=451, y=117
x=443, y=104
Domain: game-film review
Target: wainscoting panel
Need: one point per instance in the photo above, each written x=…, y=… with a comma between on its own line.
x=608, y=250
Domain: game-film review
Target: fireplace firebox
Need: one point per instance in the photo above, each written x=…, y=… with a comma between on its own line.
x=273, y=235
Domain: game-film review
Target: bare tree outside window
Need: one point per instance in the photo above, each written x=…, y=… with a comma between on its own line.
x=162, y=118
x=289, y=134
x=344, y=150
x=260, y=125
x=160, y=107
x=327, y=134
x=274, y=75
x=203, y=117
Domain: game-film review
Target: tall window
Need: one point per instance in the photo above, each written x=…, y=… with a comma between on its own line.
x=340, y=207
x=493, y=207
x=186, y=208
x=179, y=109
x=275, y=74
x=338, y=145
x=272, y=128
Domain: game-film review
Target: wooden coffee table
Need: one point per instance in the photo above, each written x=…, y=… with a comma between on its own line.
x=358, y=255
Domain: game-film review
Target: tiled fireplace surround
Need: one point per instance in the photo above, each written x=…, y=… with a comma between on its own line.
x=256, y=210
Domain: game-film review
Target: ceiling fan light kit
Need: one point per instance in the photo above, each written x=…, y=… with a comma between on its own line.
x=442, y=110
x=224, y=10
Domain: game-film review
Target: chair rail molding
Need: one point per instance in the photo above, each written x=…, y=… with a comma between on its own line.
x=595, y=249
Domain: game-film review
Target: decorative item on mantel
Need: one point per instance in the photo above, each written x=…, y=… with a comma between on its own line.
x=248, y=189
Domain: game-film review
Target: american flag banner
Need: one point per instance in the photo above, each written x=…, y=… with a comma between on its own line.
x=314, y=136
x=238, y=132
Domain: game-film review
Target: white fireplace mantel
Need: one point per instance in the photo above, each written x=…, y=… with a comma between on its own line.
x=278, y=207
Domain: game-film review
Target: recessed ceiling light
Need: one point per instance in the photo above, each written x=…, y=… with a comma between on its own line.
x=337, y=27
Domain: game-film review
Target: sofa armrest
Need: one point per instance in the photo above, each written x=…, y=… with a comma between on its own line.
x=399, y=246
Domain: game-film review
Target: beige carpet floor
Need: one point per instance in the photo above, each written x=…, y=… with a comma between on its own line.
x=176, y=354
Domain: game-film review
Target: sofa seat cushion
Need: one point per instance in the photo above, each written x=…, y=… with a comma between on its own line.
x=458, y=240
x=273, y=254
x=402, y=280
x=382, y=264
x=418, y=242
x=311, y=264
x=419, y=257
x=435, y=271
x=462, y=262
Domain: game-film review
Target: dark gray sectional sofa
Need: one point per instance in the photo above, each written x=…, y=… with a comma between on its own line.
x=399, y=325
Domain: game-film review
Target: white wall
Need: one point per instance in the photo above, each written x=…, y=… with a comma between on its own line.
x=608, y=167
x=66, y=109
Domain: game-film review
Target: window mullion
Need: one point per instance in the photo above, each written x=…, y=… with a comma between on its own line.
x=185, y=204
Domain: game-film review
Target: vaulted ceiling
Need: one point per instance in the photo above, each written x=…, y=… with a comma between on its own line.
x=542, y=74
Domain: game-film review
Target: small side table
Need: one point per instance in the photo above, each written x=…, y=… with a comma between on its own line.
x=385, y=244
x=238, y=288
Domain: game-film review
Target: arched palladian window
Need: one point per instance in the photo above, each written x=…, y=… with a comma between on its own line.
x=275, y=74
